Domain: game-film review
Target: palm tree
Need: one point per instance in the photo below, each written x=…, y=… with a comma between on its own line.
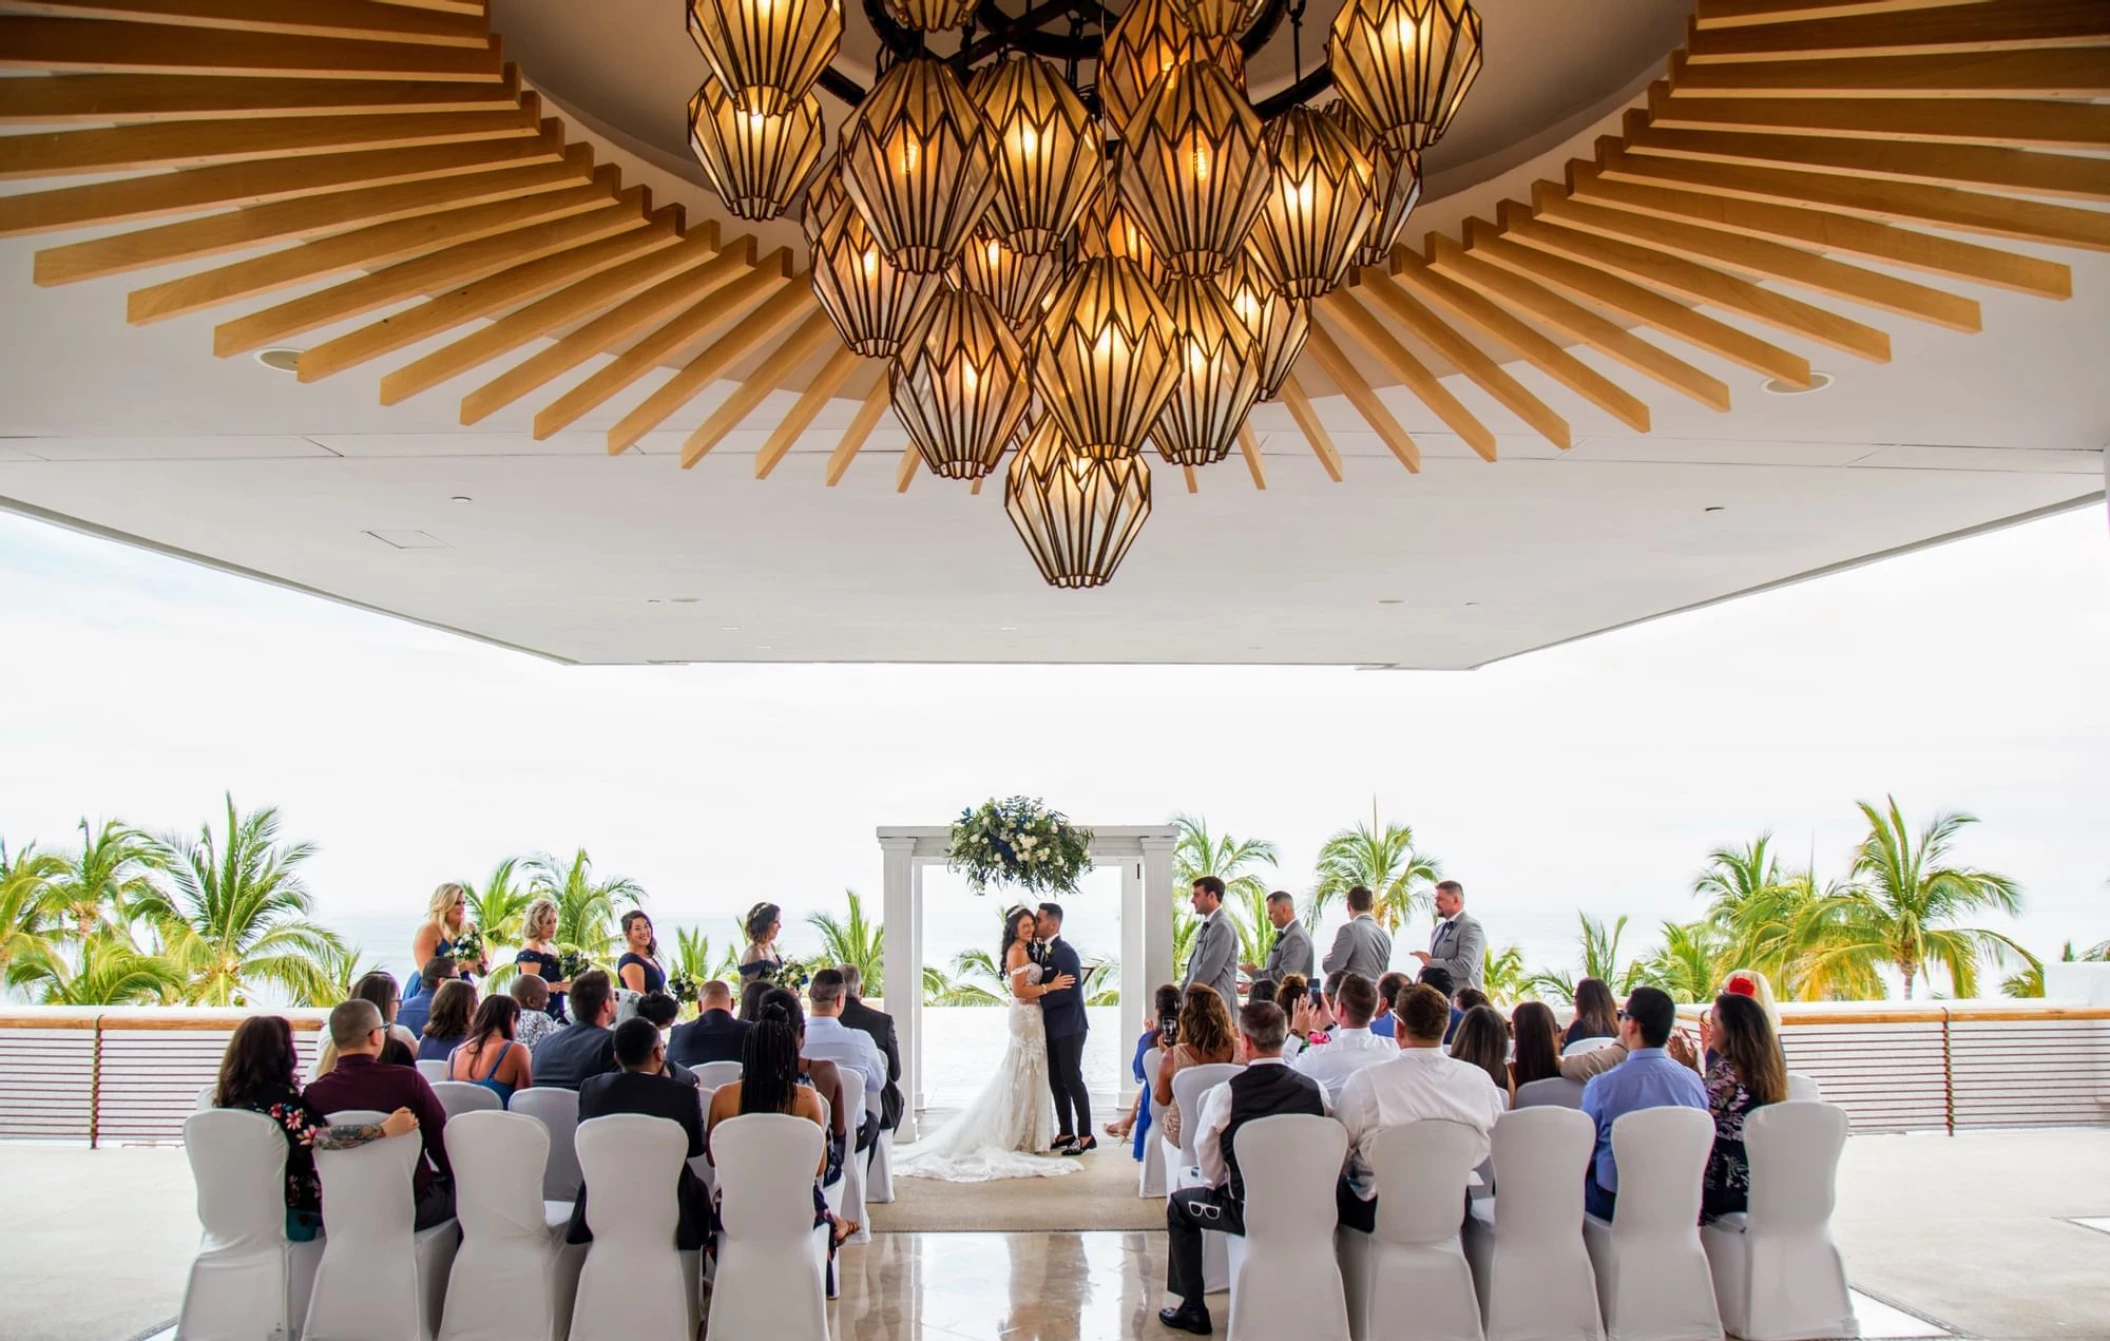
x=499, y=907
x=105, y=880
x=1197, y=853
x=237, y=915
x=1255, y=933
x=342, y=967
x=112, y=972
x=853, y=940
x=1102, y=983
x=586, y=910
x=1503, y=976
x=1689, y=963
x=30, y=930
x=1600, y=959
x=693, y=958
x=977, y=981
x=1384, y=861
x=1897, y=911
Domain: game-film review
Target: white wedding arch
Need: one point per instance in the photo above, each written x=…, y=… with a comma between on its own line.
x=1142, y=852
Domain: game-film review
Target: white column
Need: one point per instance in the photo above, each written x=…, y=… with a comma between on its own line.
x=1157, y=909
x=912, y=1084
x=904, y=967
x=1136, y=985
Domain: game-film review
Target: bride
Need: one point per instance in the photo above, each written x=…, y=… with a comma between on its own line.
x=1006, y=1131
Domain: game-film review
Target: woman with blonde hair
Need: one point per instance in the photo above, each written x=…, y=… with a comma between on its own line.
x=538, y=957
x=1752, y=983
x=1206, y=1036
x=446, y=919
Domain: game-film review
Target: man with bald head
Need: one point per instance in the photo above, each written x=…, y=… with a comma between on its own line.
x=714, y=1035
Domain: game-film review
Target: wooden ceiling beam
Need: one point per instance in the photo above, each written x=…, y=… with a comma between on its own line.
x=747, y=397
x=2015, y=123
x=1499, y=324
x=1941, y=206
x=493, y=293
x=2071, y=73
x=1384, y=291
x=1300, y=409
x=426, y=274
x=811, y=402
x=201, y=189
x=1334, y=362
x=876, y=401
x=1501, y=284
x=1710, y=249
x=790, y=301
x=92, y=46
x=911, y=464
x=1424, y=385
x=1740, y=13
x=1249, y=448
x=129, y=99
x=343, y=19
x=301, y=218
x=1946, y=30
x=379, y=244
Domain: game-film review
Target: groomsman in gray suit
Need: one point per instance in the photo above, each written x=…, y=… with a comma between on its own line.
x=1458, y=943
x=1291, y=951
x=1214, y=959
x=1362, y=946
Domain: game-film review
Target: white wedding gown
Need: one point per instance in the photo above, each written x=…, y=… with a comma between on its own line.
x=1006, y=1131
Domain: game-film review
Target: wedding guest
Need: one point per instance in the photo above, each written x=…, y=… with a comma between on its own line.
x=1292, y=990
x=1422, y=1082
x=1213, y=960
x=825, y=1077
x=401, y=1046
x=1744, y=1070
x=1482, y=1040
x=828, y=1037
x=1290, y=951
x=638, y=970
x=1753, y=984
x=1161, y=1031
x=436, y=970
x=446, y=918
x=258, y=1073
x=751, y=993
x=539, y=957
x=1458, y=944
x=660, y=1011
x=1206, y=1037
x=1596, y=1013
x=1538, y=1049
x=491, y=1056
x=714, y=1035
x=879, y=1026
x=1649, y=1078
x=447, y=1025
x=1439, y=977
x=1350, y=1045
x=359, y=1080
x=586, y=1046
x=762, y=923
x=1465, y=998
x=1581, y=1067
x=1262, y=989
x=1361, y=946
x=1264, y=1088
x=533, y=996
x=637, y=1087
x=1388, y=989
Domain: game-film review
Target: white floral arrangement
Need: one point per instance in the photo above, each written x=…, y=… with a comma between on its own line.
x=1019, y=842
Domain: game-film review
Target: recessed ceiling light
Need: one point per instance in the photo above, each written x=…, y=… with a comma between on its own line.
x=1773, y=386
x=280, y=358
x=1007, y=628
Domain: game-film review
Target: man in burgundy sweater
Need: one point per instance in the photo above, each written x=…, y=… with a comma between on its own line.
x=361, y=1080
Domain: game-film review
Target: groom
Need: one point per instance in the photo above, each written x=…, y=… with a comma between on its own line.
x=1062, y=1015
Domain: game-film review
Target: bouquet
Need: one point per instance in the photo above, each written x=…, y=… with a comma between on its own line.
x=570, y=964
x=468, y=945
x=684, y=988
x=1019, y=842
x=790, y=975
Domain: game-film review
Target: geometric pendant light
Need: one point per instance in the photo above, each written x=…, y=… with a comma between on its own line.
x=1104, y=359
x=960, y=385
x=1405, y=65
x=1018, y=284
x=872, y=302
x=1047, y=152
x=767, y=53
x=1151, y=37
x=916, y=157
x=1318, y=207
x=756, y=162
x=1078, y=515
x=1219, y=378
x=1194, y=169
x=1277, y=324
x=1397, y=189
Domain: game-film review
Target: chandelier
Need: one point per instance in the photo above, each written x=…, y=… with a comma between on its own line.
x=1071, y=235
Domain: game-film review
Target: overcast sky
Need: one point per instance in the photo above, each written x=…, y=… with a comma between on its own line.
x=1591, y=777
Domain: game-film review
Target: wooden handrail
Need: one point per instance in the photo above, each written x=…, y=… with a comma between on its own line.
x=150, y=1018
x=1793, y=1014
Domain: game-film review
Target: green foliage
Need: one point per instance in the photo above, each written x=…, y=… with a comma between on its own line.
x=1102, y=983
x=693, y=956
x=111, y=972
x=853, y=940
x=1689, y=964
x=1504, y=977
x=1019, y=841
x=104, y=883
x=586, y=907
x=1198, y=853
x=31, y=931
x=976, y=981
x=499, y=907
x=1382, y=859
x=1599, y=947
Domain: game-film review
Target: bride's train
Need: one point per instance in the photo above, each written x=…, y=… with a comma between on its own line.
x=1008, y=1128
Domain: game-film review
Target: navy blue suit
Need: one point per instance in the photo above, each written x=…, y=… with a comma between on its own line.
x=1062, y=1016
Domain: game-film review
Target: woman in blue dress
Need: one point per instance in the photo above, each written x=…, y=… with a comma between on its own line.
x=638, y=970
x=447, y=1027
x=761, y=959
x=445, y=920
x=538, y=957
x=489, y=1057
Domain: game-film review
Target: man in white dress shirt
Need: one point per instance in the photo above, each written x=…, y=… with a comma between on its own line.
x=1350, y=1046
x=829, y=1039
x=1419, y=1084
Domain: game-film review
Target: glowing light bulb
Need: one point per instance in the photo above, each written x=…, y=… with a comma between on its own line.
x=969, y=377
x=1028, y=140
x=1201, y=162
x=910, y=158
x=871, y=262
x=995, y=253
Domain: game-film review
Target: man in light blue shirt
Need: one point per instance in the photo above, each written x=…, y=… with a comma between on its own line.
x=829, y=1039
x=1649, y=1078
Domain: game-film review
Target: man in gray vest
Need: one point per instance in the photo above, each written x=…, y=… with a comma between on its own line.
x=1213, y=962
x=1362, y=946
x=1291, y=951
x=1458, y=943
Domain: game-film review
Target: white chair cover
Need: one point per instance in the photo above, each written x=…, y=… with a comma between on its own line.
x=879, y=1179
x=459, y=1097
x=1150, y=1181
x=1558, y=1091
x=207, y=1097
x=713, y=1074
x=701, y=1165
x=1804, y=1089
x=1526, y=1249
x=247, y=1280
x=1285, y=1281
x=1188, y=1087
x=772, y=1258
x=514, y=1276
x=1778, y=1275
x=847, y=1197
x=1414, y=1265
x=558, y=1110
x=635, y=1285
x=433, y=1069
x=380, y=1280
x=1582, y=1045
x=1652, y=1278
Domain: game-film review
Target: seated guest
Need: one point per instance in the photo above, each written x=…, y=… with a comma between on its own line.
x=360, y=1080
x=1753, y=984
x=1421, y=1083
x=491, y=1056
x=1206, y=1037
x=535, y=1023
x=1388, y=989
x=586, y=1046
x=1649, y=1077
x=752, y=990
x=447, y=1023
x=437, y=970
x=825, y=1077
x=879, y=1027
x=1439, y=977
x=828, y=1037
x=714, y=1035
x=1538, y=1051
x=1596, y=1013
x=1290, y=989
x=661, y=1010
x=1483, y=1040
x=637, y=1087
x=1467, y=997
x=258, y=1073
x=1351, y=1045
x=401, y=1048
x=1744, y=1071
x=1265, y=1088
x=1161, y=1030
x=1262, y=989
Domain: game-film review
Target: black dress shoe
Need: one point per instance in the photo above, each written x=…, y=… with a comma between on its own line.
x=1084, y=1147
x=1062, y=1145
x=1186, y=1318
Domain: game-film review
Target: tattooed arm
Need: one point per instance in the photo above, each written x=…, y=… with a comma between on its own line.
x=352, y=1135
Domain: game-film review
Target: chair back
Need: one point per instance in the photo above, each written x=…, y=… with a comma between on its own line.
x=765, y=1167
x=558, y=1111
x=498, y=1160
x=367, y=1284
x=1152, y=1059
x=1541, y=1157
x=1662, y=1157
x=434, y=1069
x=356, y=1117
x=465, y=1096
x=1553, y=1091
x=1188, y=1087
x=853, y=1097
x=1288, y=1165
x=1804, y=1089
x=238, y=1162
x=634, y=1283
x=1794, y=1150
x=1582, y=1045
x=712, y=1075
x=1421, y=1170
x=208, y=1096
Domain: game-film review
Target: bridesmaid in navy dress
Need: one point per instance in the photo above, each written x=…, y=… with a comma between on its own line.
x=764, y=921
x=638, y=969
x=445, y=919
x=538, y=956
